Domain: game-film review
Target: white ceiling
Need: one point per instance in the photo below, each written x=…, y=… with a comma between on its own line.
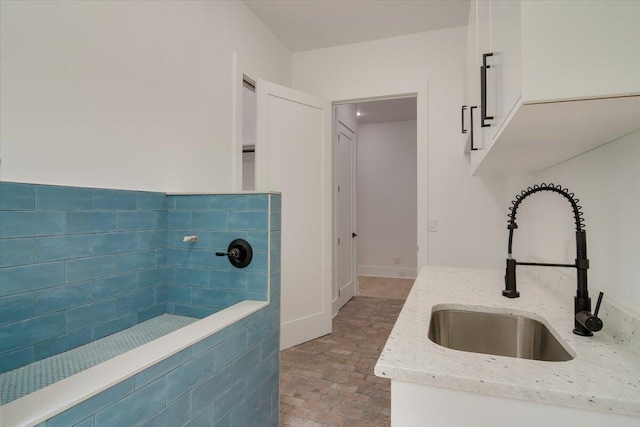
x=314, y=24
x=387, y=110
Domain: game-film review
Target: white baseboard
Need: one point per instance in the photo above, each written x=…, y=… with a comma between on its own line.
x=385, y=271
x=304, y=329
x=335, y=307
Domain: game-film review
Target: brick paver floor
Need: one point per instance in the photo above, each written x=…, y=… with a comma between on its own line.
x=329, y=381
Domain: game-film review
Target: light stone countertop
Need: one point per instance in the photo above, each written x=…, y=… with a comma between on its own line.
x=603, y=376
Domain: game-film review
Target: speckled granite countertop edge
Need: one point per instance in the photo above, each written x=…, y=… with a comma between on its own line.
x=603, y=376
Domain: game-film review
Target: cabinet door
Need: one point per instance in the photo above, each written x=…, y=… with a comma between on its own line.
x=470, y=83
x=483, y=11
x=580, y=49
x=479, y=19
x=505, y=74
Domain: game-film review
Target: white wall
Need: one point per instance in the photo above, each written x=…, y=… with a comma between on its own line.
x=386, y=199
x=471, y=211
x=131, y=95
x=248, y=171
x=607, y=182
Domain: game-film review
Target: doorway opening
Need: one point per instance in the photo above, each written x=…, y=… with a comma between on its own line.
x=375, y=193
x=295, y=149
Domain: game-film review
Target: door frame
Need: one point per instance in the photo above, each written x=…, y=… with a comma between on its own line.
x=336, y=303
x=417, y=88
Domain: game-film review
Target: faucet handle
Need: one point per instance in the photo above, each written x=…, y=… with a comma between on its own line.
x=595, y=313
x=589, y=321
x=239, y=252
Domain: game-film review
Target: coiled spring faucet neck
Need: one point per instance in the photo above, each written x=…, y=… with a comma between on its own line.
x=585, y=322
x=577, y=209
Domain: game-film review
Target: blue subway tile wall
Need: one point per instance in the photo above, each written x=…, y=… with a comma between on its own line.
x=76, y=264
x=16, y=307
x=230, y=378
x=17, y=197
x=16, y=252
x=49, y=348
x=201, y=283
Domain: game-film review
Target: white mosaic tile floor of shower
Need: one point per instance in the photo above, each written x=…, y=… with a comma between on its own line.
x=27, y=379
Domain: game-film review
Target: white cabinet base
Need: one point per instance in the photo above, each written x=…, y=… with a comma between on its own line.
x=537, y=136
x=415, y=405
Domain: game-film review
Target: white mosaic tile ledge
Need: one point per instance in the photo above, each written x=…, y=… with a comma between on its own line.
x=603, y=376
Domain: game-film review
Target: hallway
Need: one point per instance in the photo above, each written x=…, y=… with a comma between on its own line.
x=329, y=381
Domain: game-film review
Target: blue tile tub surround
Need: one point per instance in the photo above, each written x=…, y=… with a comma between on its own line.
x=199, y=282
x=227, y=379
x=230, y=378
x=76, y=264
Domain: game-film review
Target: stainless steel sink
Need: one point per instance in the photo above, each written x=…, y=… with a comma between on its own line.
x=495, y=333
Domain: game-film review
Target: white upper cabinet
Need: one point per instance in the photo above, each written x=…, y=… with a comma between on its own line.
x=562, y=77
x=478, y=41
x=504, y=78
x=580, y=49
x=470, y=80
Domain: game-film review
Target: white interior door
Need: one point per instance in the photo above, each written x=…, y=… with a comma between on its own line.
x=294, y=136
x=345, y=244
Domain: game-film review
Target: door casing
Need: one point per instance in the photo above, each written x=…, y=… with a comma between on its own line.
x=341, y=294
